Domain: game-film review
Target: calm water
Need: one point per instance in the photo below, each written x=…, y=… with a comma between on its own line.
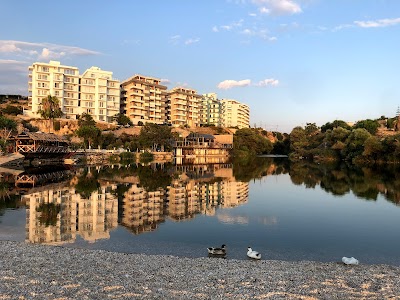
x=285, y=211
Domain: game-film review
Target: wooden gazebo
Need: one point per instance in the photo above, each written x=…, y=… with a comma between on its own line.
x=37, y=144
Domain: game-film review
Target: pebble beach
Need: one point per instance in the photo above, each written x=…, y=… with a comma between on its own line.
x=52, y=272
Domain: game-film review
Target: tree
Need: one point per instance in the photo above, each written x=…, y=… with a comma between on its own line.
x=370, y=125
x=355, y=143
x=122, y=119
x=86, y=120
x=6, y=127
x=311, y=129
x=88, y=133
x=335, y=124
x=250, y=141
x=50, y=109
x=155, y=136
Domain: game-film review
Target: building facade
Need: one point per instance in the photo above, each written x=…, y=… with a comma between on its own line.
x=99, y=94
x=184, y=107
x=210, y=110
x=95, y=92
x=235, y=114
x=144, y=99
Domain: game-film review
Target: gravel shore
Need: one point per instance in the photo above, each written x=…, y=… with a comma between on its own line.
x=47, y=272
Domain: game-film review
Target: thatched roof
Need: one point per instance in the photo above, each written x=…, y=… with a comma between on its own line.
x=40, y=136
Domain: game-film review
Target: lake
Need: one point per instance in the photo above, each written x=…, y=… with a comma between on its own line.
x=286, y=211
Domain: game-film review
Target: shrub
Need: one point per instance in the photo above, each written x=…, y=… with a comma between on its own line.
x=12, y=110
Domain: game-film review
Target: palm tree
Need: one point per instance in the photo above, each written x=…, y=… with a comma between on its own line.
x=50, y=109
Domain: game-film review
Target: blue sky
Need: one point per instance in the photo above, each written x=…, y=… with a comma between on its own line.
x=292, y=61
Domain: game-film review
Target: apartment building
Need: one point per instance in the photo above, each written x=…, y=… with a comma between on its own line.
x=95, y=92
x=144, y=99
x=210, y=110
x=56, y=80
x=184, y=107
x=235, y=114
x=99, y=95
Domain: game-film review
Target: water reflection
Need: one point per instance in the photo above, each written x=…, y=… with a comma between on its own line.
x=65, y=206
x=341, y=179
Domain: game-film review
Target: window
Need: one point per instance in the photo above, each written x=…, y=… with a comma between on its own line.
x=45, y=69
x=57, y=93
x=101, y=111
x=69, y=72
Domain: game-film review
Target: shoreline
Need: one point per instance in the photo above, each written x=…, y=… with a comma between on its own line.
x=54, y=272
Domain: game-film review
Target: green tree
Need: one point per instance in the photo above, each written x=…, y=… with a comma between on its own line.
x=355, y=143
x=370, y=125
x=86, y=120
x=250, y=142
x=88, y=133
x=372, y=148
x=155, y=136
x=335, y=124
x=311, y=129
x=50, y=109
x=122, y=119
x=298, y=140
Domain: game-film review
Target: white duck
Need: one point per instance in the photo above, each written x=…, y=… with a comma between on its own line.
x=253, y=254
x=349, y=260
x=217, y=251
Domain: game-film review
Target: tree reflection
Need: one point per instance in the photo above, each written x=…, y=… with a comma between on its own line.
x=48, y=213
x=340, y=179
x=87, y=184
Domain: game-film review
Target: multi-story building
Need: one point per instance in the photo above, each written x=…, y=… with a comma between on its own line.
x=210, y=110
x=56, y=80
x=143, y=99
x=235, y=114
x=184, y=107
x=95, y=92
x=99, y=94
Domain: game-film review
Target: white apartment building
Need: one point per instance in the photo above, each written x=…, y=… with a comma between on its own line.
x=95, y=92
x=99, y=95
x=211, y=110
x=235, y=114
x=143, y=99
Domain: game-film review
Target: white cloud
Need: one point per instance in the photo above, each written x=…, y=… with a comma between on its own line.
x=278, y=7
x=268, y=81
x=165, y=81
x=261, y=33
x=228, y=84
x=252, y=15
x=175, y=39
x=378, y=23
x=46, y=50
x=229, y=27
x=192, y=41
x=48, y=54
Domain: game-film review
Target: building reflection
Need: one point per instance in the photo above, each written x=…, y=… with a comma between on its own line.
x=57, y=213
x=86, y=205
x=196, y=189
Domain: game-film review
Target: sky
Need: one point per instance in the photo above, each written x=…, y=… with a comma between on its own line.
x=292, y=61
